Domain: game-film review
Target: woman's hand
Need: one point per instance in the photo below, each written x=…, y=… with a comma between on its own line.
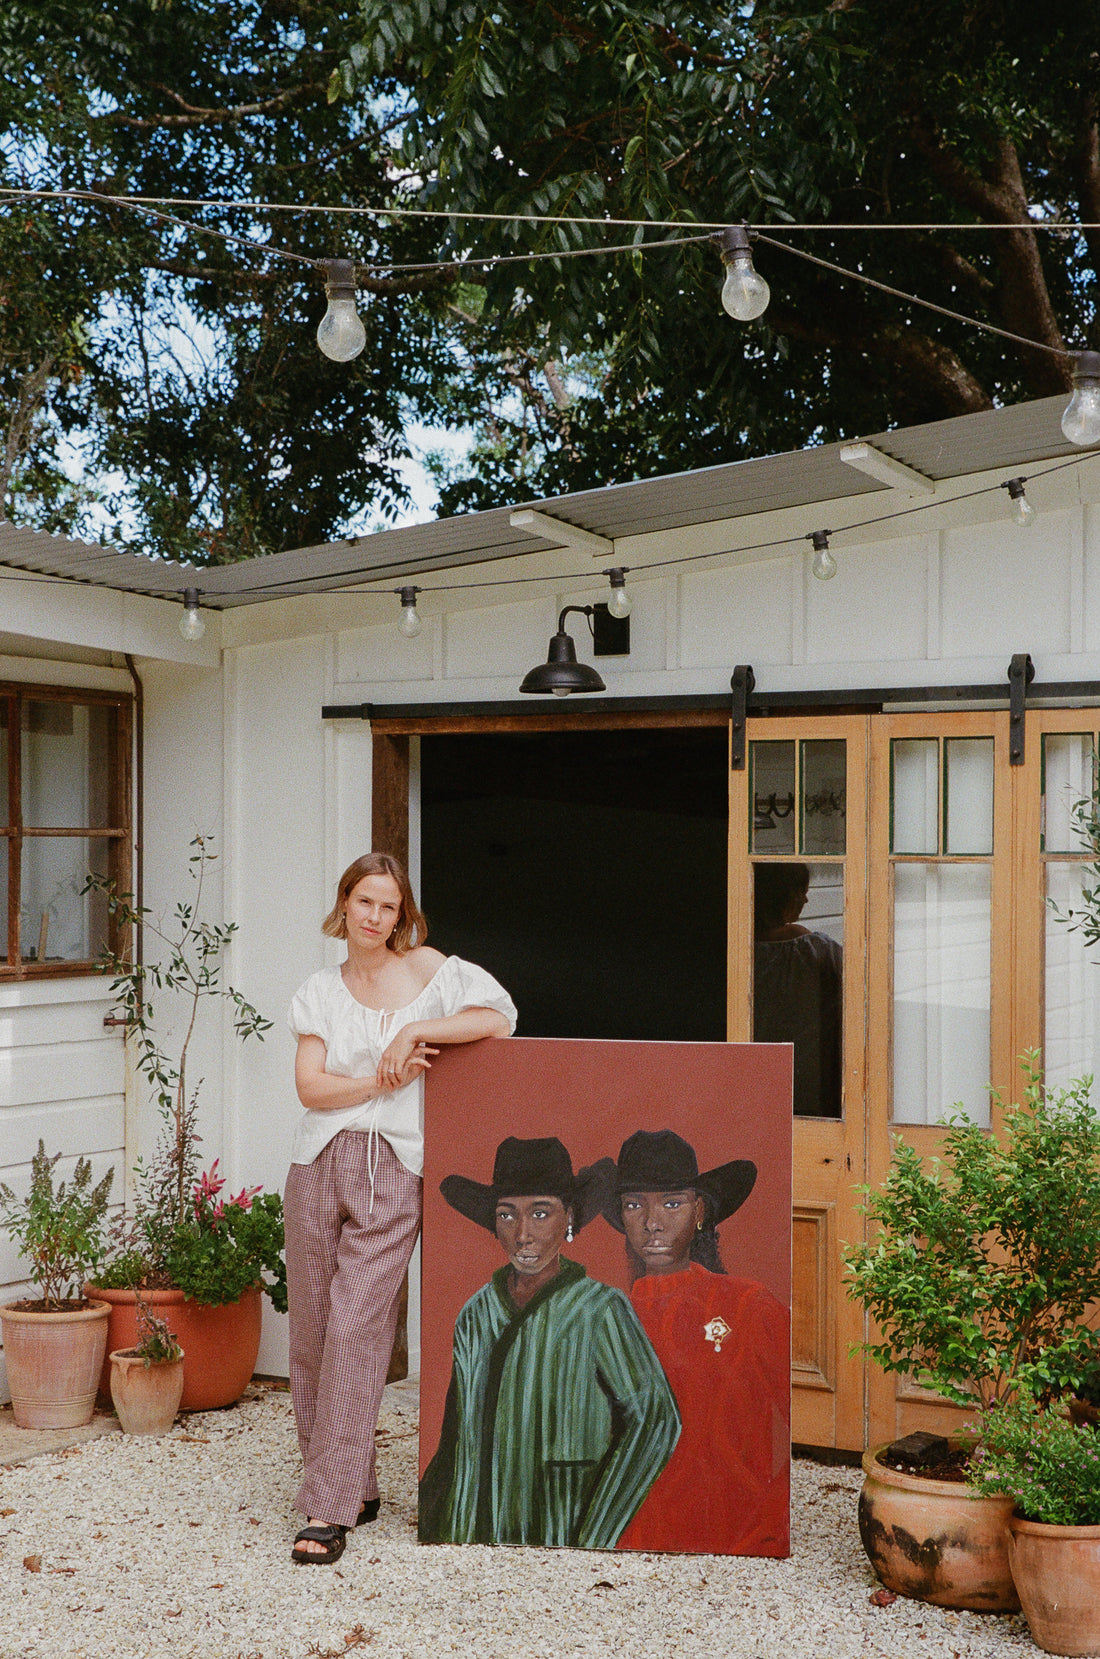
x=405, y=1058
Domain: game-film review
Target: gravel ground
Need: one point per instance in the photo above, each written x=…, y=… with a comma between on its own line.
x=140, y=1548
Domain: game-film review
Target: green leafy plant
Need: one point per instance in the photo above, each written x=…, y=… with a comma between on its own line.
x=62, y=1232
x=178, y=1231
x=986, y=1260
x=1048, y=1464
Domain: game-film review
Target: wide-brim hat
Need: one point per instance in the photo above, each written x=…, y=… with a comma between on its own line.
x=530, y=1169
x=662, y=1161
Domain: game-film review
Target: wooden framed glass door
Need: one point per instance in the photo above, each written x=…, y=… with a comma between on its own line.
x=797, y=849
x=942, y=961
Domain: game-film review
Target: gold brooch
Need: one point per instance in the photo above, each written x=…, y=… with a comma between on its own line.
x=716, y=1331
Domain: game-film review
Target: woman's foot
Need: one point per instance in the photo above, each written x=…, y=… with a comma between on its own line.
x=319, y=1544
x=369, y=1511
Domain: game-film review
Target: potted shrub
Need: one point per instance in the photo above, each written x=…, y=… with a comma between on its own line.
x=181, y=1245
x=1048, y=1466
x=147, y=1380
x=54, y=1343
x=980, y=1281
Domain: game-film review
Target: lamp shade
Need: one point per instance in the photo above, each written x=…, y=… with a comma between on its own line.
x=561, y=673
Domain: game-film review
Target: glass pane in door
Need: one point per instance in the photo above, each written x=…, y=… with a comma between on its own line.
x=1067, y=778
x=773, y=796
x=942, y=934
x=1071, y=1024
x=798, y=975
x=915, y=796
x=823, y=796
x=968, y=795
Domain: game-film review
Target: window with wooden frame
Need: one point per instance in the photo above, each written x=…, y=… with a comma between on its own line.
x=64, y=812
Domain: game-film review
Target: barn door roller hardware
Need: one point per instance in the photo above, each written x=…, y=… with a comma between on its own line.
x=741, y=683
x=1021, y=672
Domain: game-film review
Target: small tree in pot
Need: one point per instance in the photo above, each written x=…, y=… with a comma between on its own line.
x=980, y=1280
x=181, y=1243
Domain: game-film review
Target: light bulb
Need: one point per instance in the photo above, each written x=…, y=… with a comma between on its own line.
x=1081, y=421
x=410, y=623
x=619, y=602
x=824, y=564
x=192, y=626
x=745, y=294
x=340, y=333
x=1022, y=510
x=561, y=691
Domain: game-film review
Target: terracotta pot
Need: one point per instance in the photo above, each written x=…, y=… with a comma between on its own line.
x=146, y=1397
x=936, y=1540
x=54, y=1361
x=1057, y=1572
x=221, y=1343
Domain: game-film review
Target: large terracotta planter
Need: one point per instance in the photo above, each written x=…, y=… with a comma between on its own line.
x=220, y=1343
x=146, y=1397
x=54, y=1361
x=1057, y=1572
x=936, y=1540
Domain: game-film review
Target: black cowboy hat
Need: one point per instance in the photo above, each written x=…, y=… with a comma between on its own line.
x=661, y=1161
x=529, y=1169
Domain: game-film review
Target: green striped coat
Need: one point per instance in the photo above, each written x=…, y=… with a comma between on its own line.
x=558, y=1419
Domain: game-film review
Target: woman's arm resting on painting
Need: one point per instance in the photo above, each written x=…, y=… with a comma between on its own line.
x=414, y=1042
x=322, y=1091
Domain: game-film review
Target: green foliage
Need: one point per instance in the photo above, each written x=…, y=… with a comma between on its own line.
x=1048, y=1464
x=62, y=1233
x=215, y=1259
x=986, y=1261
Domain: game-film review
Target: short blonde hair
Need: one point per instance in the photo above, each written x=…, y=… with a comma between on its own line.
x=411, y=929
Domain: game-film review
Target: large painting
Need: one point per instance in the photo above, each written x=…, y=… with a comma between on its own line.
x=605, y=1311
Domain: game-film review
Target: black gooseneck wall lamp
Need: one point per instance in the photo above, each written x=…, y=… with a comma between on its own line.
x=561, y=673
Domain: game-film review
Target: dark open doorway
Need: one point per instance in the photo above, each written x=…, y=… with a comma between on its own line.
x=587, y=871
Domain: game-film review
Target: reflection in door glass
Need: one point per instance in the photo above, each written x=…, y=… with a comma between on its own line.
x=798, y=976
x=914, y=800
x=942, y=933
x=968, y=795
x=823, y=796
x=1067, y=778
x=1071, y=1023
x=773, y=790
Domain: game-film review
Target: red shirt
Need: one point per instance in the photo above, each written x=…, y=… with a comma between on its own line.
x=725, y=1347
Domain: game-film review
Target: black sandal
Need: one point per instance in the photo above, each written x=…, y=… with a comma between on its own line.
x=333, y=1538
x=369, y=1511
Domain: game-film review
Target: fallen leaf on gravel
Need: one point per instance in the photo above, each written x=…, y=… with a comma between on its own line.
x=882, y=1598
x=602, y=1584
x=69, y=1570
x=9, y=1512
x=33, y=1563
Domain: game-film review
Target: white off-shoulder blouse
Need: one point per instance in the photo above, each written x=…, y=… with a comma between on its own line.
x=355, y=1038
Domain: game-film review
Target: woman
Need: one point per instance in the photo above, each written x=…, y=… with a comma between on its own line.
x=366, y=1032
x=558, y=1416
x=725, y=1346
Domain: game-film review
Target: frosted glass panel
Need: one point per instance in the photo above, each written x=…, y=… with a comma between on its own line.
x=57, y=923
x=773, y=787
x=1067, y=777
x=1072, y=1013
x=915, y=806
x=968, y=808
x=941, y=991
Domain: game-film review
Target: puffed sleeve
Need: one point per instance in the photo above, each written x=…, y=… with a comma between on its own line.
x=310, y=1015
x=465, y=985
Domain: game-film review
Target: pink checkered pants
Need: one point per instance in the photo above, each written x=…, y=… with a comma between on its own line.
x=345, y=1265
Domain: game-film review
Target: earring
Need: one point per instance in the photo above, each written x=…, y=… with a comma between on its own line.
x=569, y=1232
x=698, y=1226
